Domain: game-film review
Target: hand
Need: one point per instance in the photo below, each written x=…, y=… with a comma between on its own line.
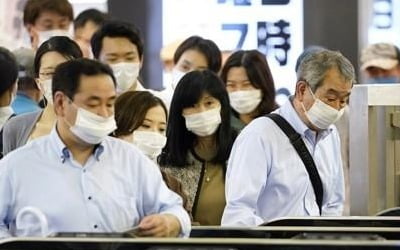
x=159, y=225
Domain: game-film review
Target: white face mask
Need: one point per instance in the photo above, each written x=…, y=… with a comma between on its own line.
x=150, y=143
x=92, y=128
x=45, y=88
x=46, y=35
x=245, y=101
x=176, y=77
x=126, y=75
x=321, y=115
x=204, y=123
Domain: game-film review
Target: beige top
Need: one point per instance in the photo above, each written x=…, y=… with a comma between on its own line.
x=45, y=123
x=211, y=191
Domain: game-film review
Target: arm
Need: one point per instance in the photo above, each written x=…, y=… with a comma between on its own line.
x=164, y=213
x=245, y=179
x=335, y=202
x=9, y=137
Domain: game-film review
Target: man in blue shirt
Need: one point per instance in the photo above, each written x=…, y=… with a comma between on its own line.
x=78, y=179
x=275, y=180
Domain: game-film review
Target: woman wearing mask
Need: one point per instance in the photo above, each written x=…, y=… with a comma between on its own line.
x=199, y=141
x=21, y=129
x=141, y=119
x=250, y=85
x=194, y=53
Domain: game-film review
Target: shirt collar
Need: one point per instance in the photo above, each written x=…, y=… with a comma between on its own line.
x=291, y=115
x=62, y=150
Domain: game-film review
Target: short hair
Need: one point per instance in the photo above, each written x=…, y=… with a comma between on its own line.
x=33, y=9
x=259, y=74
x=67, y=75
x=206, y=47
x=116, y=29
x=92, y=15
x=179, y=139
x=131, y=108
x=60, y=44
x=307, y=51
x=8, y=70
x=314, y=67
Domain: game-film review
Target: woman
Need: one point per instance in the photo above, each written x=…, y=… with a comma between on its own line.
x=142, y=120
x=250, y=85
x=199, y=141
x=194, y=53
x=21, y=129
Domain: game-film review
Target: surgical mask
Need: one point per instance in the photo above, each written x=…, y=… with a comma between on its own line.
x=150, y=143
x=204, y=123
x=92, y=128
x=321, y=114
x=387, y=79
x=126, y=75
x=45, y=88
x=31, y=221
x=176, y=77
x=245, y=101
x=46, y=35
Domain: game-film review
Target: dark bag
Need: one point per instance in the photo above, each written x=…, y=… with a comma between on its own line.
x=298, y=144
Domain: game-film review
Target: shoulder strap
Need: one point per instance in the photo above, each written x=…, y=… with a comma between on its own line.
x=302, y=151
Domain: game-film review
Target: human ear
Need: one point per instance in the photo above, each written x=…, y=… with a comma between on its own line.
x=301, y=88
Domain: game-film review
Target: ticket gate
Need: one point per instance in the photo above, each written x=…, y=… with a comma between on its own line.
x=374, y=142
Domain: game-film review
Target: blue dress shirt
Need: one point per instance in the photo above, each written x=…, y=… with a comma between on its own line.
x=266, y=178
x=112, y=192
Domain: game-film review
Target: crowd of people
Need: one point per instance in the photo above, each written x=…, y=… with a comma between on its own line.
x=87, y=148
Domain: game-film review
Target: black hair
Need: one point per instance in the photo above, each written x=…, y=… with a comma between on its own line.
x=179, y=139
x=116, y=29
x=93, y=15
x=60, y=44
x=8, y=70
x=259, y=74
x=68, y=74
x=207, y=47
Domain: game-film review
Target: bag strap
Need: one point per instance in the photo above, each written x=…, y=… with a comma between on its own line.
x=302, y=151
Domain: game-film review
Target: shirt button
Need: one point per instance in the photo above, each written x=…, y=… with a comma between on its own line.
x=90, y=197
x=84, y=170
x=95, y=226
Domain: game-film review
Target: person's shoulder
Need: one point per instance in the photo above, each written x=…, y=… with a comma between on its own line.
x=22, y=120
x=28, y=153
x=259, y=125
x=121, y=147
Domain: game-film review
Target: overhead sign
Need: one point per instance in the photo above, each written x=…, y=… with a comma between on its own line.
x=274, y=27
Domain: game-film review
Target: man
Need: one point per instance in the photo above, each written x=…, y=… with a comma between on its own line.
x=77, y=179
x=120, y=45
x=46, y=18
x=380, y=63
x=28, y=94
x=85, y=25
x=8, y=84
x=266, y=177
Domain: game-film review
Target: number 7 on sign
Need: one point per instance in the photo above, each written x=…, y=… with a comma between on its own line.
x=242, y=27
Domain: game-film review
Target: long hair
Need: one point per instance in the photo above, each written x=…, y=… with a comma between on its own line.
x=179, y=139
x=259, y=75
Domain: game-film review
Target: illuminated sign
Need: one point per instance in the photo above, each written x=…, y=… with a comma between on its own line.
x=274, y=27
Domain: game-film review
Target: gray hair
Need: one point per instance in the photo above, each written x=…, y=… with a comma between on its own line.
x=314, y=66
